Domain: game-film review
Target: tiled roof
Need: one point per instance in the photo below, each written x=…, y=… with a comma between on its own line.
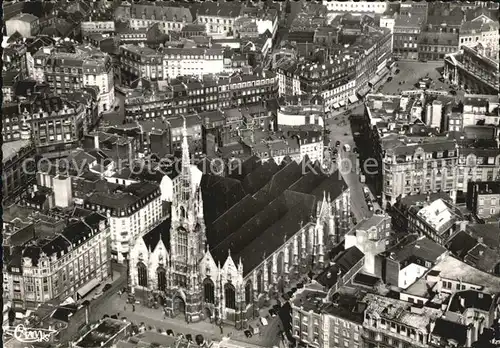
x=160, y=232
x=220, y=9
x=160, y=11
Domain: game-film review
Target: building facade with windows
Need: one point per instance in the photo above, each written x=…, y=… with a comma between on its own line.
x=70, y=72
x=144, y=15
x=51, y=264
x=407, y=29
x=131, y=210
x=18, y=171
x=483, y=198
x=473, y=70
x=192, y=62
x=356, y=6
x=419, y=168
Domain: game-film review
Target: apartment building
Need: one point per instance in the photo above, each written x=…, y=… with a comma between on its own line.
x=480, y=110
x=18, y=170
x=326, y=313
x=434, y=46
x=45, y=264
x=395, y=323
x=477, y=164
x=420, y=167
x=92, y=27
x=374, y=54
x=143, y=15
x=219, y=18
x=140, y=62
x=69, y=72
x=317, y=322
x=207, y=94
x=356, y=6
x=192, y=61
x=483, y=198
x=24, y=24
x=407, y=29
x=131, y=210
x=57, y=125
x=481, y=30
x=473, y=70
x=405, y=263
x=437, y=220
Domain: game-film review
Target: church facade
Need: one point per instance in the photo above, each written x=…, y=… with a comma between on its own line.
x=198, y=283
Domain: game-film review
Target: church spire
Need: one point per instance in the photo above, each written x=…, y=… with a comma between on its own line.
x=186, y=165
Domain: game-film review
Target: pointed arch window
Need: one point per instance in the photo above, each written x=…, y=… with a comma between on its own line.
x=209, y=291
x=142, y=274
x=230, y=296
x=182, y=243
x=162, y=279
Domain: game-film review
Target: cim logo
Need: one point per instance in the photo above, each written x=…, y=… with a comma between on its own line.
x=29, y=335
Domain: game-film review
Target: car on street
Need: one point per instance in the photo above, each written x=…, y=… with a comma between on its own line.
x=272, y=313
x=389, y=79
x=106, y=287
x=189, y=337
x=337, y=143
x=397, y=71
x=170, y=333
x=248, y=334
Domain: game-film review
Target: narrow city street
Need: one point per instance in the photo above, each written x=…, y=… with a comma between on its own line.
x=340, y=130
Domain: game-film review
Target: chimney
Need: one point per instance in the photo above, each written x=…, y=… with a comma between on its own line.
x=96, y=141
x=480, y=240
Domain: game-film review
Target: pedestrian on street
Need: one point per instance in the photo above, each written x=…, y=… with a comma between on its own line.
x=133, y=308
x=221, y=330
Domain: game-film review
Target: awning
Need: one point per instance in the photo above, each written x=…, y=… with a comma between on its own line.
x=374, y=80
x=341, y=103
x=336, y=105
x=363, y=91
x=353, y=99
x=84, y=290
x=383, y=72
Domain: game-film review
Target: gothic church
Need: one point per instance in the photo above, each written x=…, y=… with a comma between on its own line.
x=276, y=229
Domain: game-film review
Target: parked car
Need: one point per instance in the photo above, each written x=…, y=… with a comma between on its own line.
x=106, y=287
x=272, y=313
x=263, y=321
x=389, y=79
x=248, y=334
x=189, y=337
x=452, y=92
x=170, y=332
x=337, y=143
x=397, y=71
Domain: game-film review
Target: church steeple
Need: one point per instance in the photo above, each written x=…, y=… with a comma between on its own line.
x=186, y=166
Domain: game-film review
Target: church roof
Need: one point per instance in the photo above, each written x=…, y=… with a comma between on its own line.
x=258, y=224
x=254, y=181
x=219, y=194
x=162, y=231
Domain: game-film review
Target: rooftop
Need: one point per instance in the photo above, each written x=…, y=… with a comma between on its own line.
x=103, y=334
x=401, y=311
x=454, y=269
x=11, y=148
x=438, y=215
